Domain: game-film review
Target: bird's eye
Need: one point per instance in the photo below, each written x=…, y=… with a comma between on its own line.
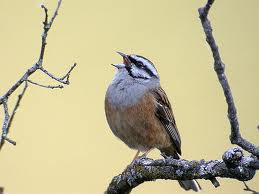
x=139, y=64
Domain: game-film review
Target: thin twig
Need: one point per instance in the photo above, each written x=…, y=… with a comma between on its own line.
x=46, y=14
x=46, y=26
x=64, y=79
x=55, y=13
x=68, y=73
x=38, y=64
x=5, y=123
x=9, y=141
x=44, y=86
x=6, y=118
x=20, y=96
x=9, y=119
x=219, y=67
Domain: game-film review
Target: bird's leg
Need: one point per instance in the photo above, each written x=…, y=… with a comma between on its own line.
x=144, y=155
x=135, y=157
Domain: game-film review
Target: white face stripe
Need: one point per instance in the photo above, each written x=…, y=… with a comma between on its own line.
x=140, y=73
x=146, y=63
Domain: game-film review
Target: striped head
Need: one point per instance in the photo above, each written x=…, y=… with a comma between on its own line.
x=138, y=67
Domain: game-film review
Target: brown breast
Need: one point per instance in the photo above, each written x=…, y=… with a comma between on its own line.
x=137, y=125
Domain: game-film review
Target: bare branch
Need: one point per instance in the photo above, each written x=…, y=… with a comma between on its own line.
x=9, y=141
x=5, y=123
x=20, y=96
x=55, y=13
x=64, y=79
x=9, y=119
x=6, y=118
x=46, y=14
x=234, y=165
x=18, y=83
x=44, y=86
x=25, y=78
x=46, y=27
x=219, y=67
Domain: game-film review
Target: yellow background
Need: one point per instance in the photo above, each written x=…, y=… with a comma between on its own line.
x=64, y=145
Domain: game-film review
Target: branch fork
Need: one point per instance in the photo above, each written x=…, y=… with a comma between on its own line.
x=64, y=80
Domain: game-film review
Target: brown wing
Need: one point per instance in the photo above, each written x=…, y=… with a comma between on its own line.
x=165, y=114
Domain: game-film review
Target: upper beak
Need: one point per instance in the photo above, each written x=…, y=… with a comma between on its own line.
x=122, y=54
x=126, y=59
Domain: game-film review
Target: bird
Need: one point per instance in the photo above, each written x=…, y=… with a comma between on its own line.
x=139, y=113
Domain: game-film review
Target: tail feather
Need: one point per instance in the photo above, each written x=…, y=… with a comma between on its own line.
x=190, y=184
x=186, y=184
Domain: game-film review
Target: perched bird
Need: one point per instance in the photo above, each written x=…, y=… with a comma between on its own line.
x=139, y=112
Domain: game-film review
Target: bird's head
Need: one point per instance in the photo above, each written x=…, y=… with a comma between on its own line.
x=137, y=66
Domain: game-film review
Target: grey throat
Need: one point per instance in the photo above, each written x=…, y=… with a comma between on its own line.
x=125, y=90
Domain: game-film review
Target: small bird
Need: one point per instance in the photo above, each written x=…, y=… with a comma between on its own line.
x=139, y=113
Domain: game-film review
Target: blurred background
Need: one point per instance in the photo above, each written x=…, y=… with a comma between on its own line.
x=64, y=144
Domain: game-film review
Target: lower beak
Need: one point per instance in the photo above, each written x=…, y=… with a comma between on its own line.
x=119, y=66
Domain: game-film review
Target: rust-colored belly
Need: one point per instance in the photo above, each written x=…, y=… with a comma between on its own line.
x=137, y=125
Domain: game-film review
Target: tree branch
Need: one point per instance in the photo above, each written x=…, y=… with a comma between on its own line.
x=219, y=67
x=234, y=165
x=38, y=65
x=5, y=123
x=25, y=78
x=9, y=119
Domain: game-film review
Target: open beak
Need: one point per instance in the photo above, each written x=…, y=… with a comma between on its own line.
x=126, y=59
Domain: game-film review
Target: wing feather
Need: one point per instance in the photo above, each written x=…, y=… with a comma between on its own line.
x=165, y=115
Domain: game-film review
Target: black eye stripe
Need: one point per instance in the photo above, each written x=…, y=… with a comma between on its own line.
x=137, y=63
x=133, y=60
x=148, y=71
x=140, y=64
x=145, y=59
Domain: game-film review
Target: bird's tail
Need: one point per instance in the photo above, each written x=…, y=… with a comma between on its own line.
x=190, y=184
x=187, y=184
